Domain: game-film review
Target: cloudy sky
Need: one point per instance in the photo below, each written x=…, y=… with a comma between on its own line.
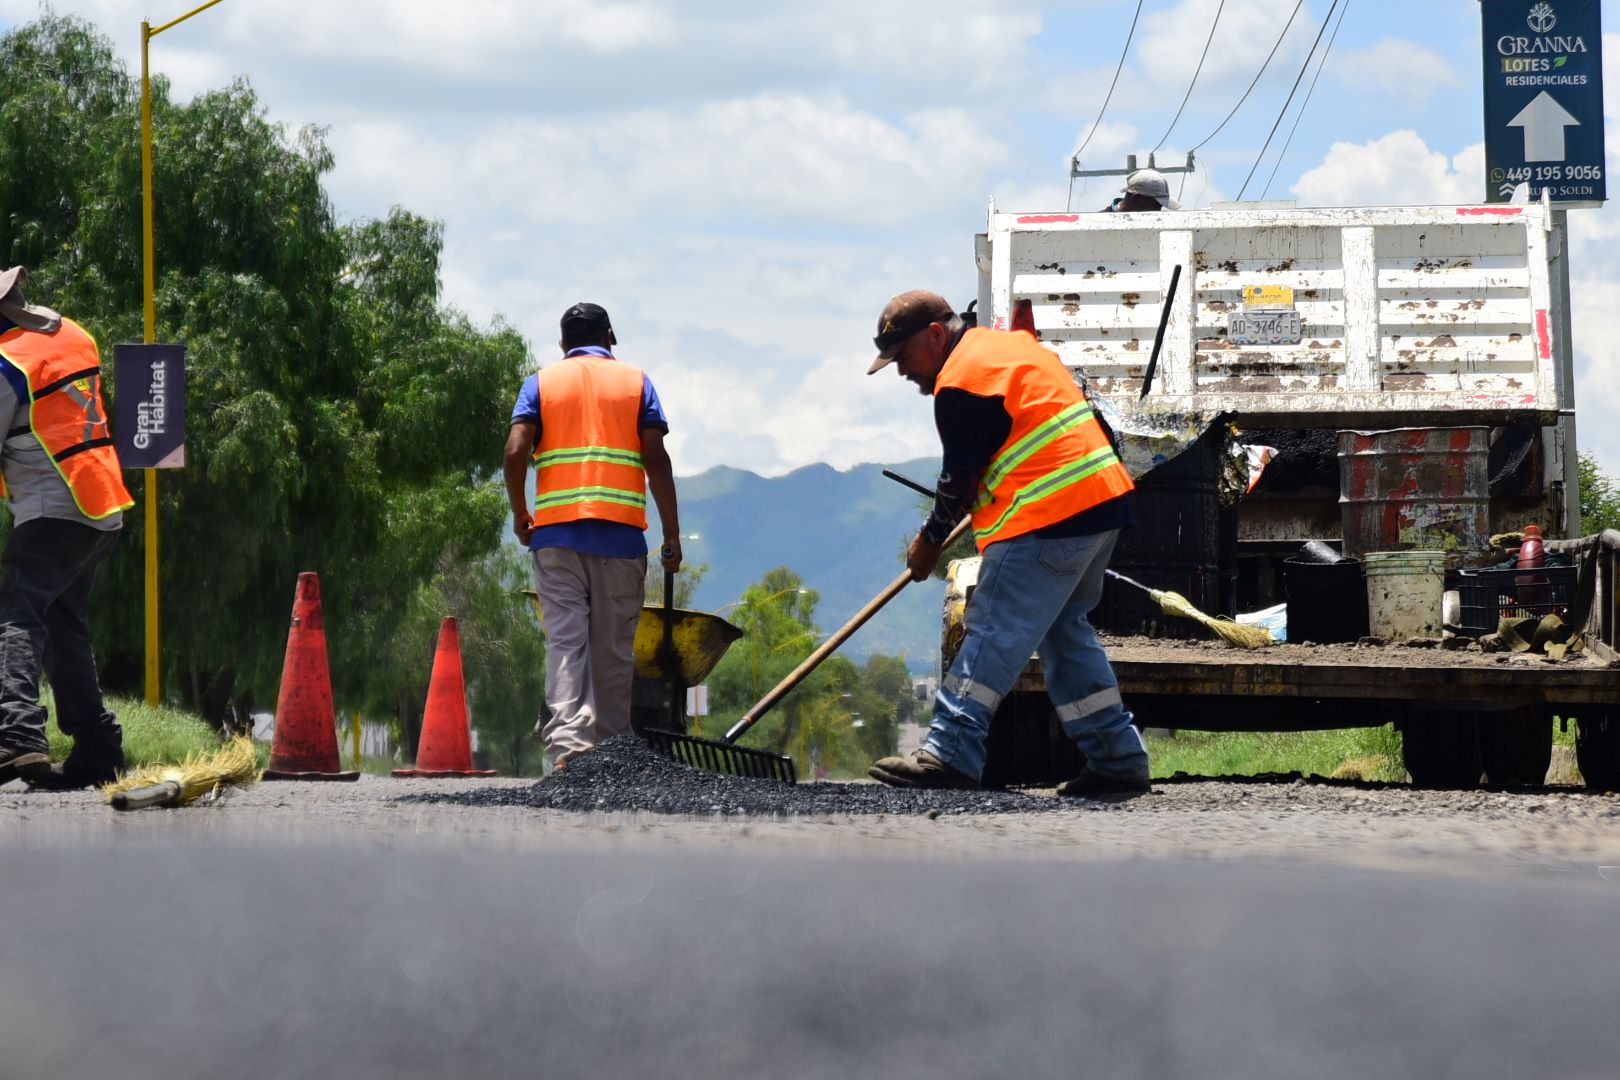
x=743, y=185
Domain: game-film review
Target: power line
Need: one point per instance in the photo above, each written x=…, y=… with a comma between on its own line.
x=1257, y=75
x=1303, y=68
x=1196, y=72
x=1110, y=96
x=1307, y=102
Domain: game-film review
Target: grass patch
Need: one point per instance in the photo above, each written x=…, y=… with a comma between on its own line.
x=1352, y=753
x=151, y=733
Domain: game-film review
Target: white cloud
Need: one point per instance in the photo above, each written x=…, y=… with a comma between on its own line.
x=1397, y=169
x=1396, y=67
x=1172, y=41
x=774, y=157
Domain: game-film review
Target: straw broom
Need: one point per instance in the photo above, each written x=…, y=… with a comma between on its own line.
x=1235, y=633
x=192, y=779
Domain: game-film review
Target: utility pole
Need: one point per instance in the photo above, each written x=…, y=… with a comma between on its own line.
x=1077, y=173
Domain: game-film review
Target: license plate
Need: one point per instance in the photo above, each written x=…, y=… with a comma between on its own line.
x=1264, y=328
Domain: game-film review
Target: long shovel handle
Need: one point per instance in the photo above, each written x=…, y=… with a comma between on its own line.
x=828, y=647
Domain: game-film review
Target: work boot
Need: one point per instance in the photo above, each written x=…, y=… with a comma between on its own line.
x=920, y=770
x=25, y=764
x=72, y=776
x=92, y=762
x=1091, y=785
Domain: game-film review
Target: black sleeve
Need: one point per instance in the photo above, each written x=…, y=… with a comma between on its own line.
x=971, y=430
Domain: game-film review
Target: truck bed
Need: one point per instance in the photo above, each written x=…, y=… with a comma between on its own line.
x=1154, y=666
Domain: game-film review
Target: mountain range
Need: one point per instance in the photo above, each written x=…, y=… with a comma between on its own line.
x=844, y=533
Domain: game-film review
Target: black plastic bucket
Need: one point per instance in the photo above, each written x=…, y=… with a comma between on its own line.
x=1175, y=545
x=1327, y=602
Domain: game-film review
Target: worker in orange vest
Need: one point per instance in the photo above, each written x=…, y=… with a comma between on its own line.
x=594, y=430
x=1025, y=455
x=67, y=497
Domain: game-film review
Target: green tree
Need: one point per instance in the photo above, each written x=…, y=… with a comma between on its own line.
x=1600, y=498
x=503, y=655
x=840, y=718
x=340, y=418
x=687, y=579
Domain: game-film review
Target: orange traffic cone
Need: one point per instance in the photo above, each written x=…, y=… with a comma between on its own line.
x=305, y=746
x=445, y=748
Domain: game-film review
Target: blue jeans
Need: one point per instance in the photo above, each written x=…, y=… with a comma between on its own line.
x=1034, y=594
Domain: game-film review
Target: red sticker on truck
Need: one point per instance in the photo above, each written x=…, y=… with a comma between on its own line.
x=1543, y=335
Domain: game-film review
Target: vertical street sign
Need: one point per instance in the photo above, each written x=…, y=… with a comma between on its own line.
x=151, y=405
x=1543, y=99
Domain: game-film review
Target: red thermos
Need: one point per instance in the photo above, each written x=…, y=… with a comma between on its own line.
x=1532, y=587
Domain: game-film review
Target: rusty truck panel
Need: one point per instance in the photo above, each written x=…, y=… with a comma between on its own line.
x=1375, y=317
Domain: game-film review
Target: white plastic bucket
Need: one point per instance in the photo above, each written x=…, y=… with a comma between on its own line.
x=1404, y=593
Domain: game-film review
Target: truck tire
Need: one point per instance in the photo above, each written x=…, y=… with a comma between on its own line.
x=1516, y=746
x=1441, y=749
x=1597, y=747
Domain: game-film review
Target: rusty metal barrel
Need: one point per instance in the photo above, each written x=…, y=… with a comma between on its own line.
x=1415, y=489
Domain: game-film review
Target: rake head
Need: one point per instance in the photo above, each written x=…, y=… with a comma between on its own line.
x=721, y=757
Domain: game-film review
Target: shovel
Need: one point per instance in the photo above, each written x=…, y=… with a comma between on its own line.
x=723, y=755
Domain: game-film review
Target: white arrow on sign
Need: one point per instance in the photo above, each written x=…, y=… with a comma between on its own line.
x=1543, y=121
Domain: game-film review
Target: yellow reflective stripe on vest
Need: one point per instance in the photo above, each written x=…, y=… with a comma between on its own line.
x=1059, y=478
x=1016, y=454
x=579, y=455
x=590, y=494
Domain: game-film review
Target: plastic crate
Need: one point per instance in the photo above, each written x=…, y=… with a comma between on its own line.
x=1489, y=595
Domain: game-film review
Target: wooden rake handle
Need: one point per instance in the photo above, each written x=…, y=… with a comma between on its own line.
x=828, y=647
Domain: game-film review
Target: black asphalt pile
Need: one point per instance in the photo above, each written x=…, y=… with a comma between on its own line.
x=624, y=773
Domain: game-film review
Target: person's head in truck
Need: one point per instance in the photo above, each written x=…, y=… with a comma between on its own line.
x=1145, y=189
x=915, y=332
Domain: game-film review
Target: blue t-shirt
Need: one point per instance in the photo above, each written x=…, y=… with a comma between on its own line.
x=612, y=539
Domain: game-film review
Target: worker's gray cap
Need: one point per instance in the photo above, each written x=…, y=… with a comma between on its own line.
x=1150, y=182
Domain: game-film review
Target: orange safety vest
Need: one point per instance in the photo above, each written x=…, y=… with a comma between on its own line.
x=61, y=374
x=588, y=461
x=1056, y=461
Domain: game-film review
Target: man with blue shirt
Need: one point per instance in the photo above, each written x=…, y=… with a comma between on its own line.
x=594, y=430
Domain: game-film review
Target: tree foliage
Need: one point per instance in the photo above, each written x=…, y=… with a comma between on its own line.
x=1600, y=498
x=341, y=419
x=840, y=718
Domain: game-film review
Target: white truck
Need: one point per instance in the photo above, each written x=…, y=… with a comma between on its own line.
x=1451, y=317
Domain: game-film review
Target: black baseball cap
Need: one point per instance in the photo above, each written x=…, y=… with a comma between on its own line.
x=585, y=319
x=903, y=316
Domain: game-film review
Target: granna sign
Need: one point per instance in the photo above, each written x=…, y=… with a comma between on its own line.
x=1543, y=99
x=151, y=405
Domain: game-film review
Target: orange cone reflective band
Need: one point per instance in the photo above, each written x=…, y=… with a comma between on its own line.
x=445, y=748
x=305, y=746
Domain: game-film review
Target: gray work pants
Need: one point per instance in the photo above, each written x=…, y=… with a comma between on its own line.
x=589, y=606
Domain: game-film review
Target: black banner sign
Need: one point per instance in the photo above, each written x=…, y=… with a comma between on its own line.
x=151, y=406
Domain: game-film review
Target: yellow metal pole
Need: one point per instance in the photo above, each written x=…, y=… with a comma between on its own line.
x=154, y=687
